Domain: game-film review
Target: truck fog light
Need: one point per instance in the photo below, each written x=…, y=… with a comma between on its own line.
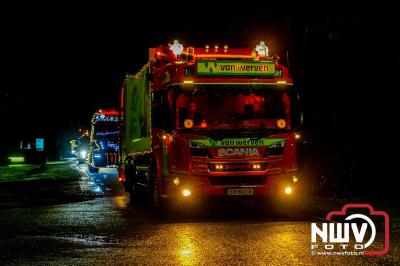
x=186, y=192
x=219, y=166
x=176, y=181
x=288, y=190
x=83, y=154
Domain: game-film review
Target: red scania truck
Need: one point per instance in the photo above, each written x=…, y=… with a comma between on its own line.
x=204, y=122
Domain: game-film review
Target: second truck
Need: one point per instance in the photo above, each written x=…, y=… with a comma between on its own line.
x=104, y=140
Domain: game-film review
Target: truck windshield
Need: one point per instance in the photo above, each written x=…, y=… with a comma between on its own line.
x=106, y=129
x=235, y=107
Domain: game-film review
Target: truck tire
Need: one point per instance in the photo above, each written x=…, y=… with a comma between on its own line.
x=132, y=185
x=127, y=182
x=93, y=169
x=156, y=202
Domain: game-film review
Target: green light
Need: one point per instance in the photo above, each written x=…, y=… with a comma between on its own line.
x=17, y=159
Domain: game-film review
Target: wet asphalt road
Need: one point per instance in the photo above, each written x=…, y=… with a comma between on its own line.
x=108, y=230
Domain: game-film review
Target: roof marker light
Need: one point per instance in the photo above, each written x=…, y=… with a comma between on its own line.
x=176, y=48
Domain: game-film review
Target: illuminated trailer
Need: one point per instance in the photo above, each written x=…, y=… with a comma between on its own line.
x=204, y=122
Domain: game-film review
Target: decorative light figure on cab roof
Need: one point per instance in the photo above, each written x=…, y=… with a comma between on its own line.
x=262, y=49
x=176, y=48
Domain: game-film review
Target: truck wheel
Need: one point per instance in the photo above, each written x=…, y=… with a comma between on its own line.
x=127, y=182
x=155, y=199
x=93, y=169
x=133, y=191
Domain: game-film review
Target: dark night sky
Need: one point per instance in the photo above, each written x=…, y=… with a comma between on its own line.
x=59, y=65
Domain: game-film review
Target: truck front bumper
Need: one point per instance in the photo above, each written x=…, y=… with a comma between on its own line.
x=177, y=185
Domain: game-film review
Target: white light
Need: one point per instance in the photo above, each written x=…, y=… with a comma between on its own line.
x=83, y=154
x=186, y=192
x=176, y=48
x=262, y=49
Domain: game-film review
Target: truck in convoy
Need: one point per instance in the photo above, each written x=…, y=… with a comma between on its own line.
x=209, y=122
x=82, y=147
x=104, y=142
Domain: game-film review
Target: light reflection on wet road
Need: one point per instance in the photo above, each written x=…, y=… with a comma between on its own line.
x=110, y=231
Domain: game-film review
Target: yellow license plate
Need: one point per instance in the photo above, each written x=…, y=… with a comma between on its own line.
x=239, y=191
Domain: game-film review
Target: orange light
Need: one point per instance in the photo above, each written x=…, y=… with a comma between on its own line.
x=219, y=166
x=190, y=50
x=203, y=124
x=176, y=181
x=256, y=166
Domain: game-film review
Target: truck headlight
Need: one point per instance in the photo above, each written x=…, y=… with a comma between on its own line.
x=83, y=154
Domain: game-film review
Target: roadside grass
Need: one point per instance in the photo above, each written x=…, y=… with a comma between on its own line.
x=22, y=172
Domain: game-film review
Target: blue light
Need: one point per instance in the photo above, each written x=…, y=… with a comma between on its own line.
x=97, y=156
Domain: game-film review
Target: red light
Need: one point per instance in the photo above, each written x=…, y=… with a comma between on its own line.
x=122, y=98
x=121, y=175
x=203, y=124
x=110, y=112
